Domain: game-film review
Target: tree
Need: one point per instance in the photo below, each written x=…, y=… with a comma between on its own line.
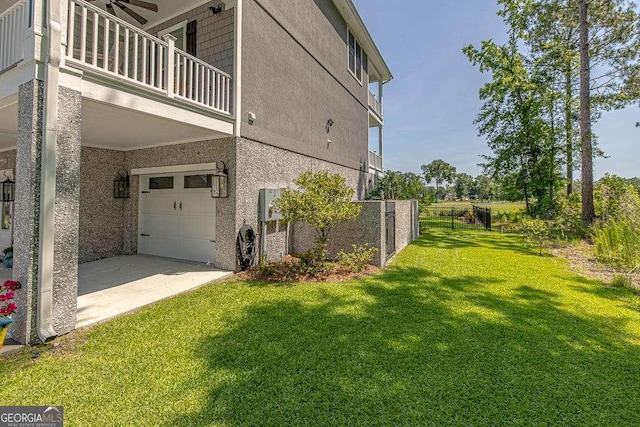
x=322, y=201
x=438, y=171
x=513, y=119
x=588, y=212
x=485, y=188
x=545, y=37
x=463, y=185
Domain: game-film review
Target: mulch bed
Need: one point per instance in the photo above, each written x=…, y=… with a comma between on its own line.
x=582, y=261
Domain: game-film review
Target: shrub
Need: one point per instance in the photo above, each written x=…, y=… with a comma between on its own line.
x=537, y=232
x=620, y=281
x=322, y=201
x=356, y=260
x=615, y=200
x=567, y=222
x=618, y=243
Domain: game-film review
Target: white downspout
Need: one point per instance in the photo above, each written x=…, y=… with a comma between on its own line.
x=237, y=73
x=48, y=173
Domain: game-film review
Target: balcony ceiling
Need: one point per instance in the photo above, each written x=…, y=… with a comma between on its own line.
x=167, y=9
x=108, y=126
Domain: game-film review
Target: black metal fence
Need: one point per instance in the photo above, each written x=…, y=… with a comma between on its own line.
x=461, y=218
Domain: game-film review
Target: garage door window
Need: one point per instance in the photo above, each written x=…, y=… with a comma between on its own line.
x=197, y=181
x=161, y=183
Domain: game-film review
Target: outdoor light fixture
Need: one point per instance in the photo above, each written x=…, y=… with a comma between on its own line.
x=220, y=181
x=217, y=9
x=330, y=123
x=8, y=189
x=121, y=185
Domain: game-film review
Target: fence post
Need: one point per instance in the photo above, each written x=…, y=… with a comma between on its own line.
x=452, y=218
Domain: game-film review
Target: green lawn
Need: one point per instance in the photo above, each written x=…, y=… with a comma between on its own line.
x=462, y=329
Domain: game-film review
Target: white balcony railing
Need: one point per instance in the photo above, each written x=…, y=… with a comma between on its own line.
x=13, y=22
x=375, y=161
x=103, y=43
x=375, y=105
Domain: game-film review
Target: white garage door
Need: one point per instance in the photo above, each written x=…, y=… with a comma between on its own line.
x=177, y=216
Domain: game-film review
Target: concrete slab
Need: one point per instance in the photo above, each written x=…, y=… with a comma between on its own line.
x=113, y=286
x=9, y=347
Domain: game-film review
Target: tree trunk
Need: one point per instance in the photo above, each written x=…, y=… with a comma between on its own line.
x=568, y=128
x=585, y=117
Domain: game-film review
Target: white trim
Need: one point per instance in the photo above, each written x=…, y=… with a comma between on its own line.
x=161, y=144
x=355, y=59
x=172, y=28
x=2, y=150
x=175, y=169
x=237, y=73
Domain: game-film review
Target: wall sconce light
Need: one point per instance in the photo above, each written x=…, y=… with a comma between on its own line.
x=217, y=9
x=330, y=123
x=121, y=185
x=220, y=181
x=8, y=189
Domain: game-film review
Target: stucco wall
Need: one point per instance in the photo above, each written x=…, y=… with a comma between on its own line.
x=264, y=166
x=214, y=35
x=407, y=223
x=101, y=215
x=295, y=78
x=367, y=228
x=191, y=153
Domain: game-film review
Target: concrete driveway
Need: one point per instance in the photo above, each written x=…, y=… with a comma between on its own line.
x=113, y=286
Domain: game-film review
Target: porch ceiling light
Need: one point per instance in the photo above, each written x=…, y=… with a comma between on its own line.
x=8, y=189
x=121, y=185
x=220, y=181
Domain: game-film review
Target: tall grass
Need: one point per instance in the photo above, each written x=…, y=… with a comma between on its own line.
x=618, y=242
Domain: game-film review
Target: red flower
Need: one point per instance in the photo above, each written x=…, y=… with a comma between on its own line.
x=12, y=285
x=7, y=293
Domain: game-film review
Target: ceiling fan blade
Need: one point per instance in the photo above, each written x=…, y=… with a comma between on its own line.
x=143, y=4
x=111, y=10
x=131, y=13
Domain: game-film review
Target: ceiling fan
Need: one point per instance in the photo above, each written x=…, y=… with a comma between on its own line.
x=132, y=13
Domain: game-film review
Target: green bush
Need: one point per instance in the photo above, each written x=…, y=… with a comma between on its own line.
x=616, y=200
x=312, y=263
x=322, y=201
x=620, y=281
x=357, y=260
x=618, y=243
x=567, y=223
x=537, y=232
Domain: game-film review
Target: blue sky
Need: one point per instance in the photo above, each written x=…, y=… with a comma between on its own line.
x=432, y=102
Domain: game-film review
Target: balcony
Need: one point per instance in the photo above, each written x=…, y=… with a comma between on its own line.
x=375, y=163
x=100, y=43
x=375, y=106
x=13, y=23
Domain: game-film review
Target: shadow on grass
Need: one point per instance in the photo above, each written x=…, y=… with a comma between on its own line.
x=409, y=347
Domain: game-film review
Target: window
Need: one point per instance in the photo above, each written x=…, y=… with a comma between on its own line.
x=357, y=59
x=197, y=181
x=179, y=31
x=161, y=183
x=6, y=215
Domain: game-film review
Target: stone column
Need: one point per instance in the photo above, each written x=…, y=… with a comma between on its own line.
x=67, y=211
x=27, y=209
x=27, y=249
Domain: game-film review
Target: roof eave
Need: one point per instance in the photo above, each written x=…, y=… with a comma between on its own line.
x=350, y=14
